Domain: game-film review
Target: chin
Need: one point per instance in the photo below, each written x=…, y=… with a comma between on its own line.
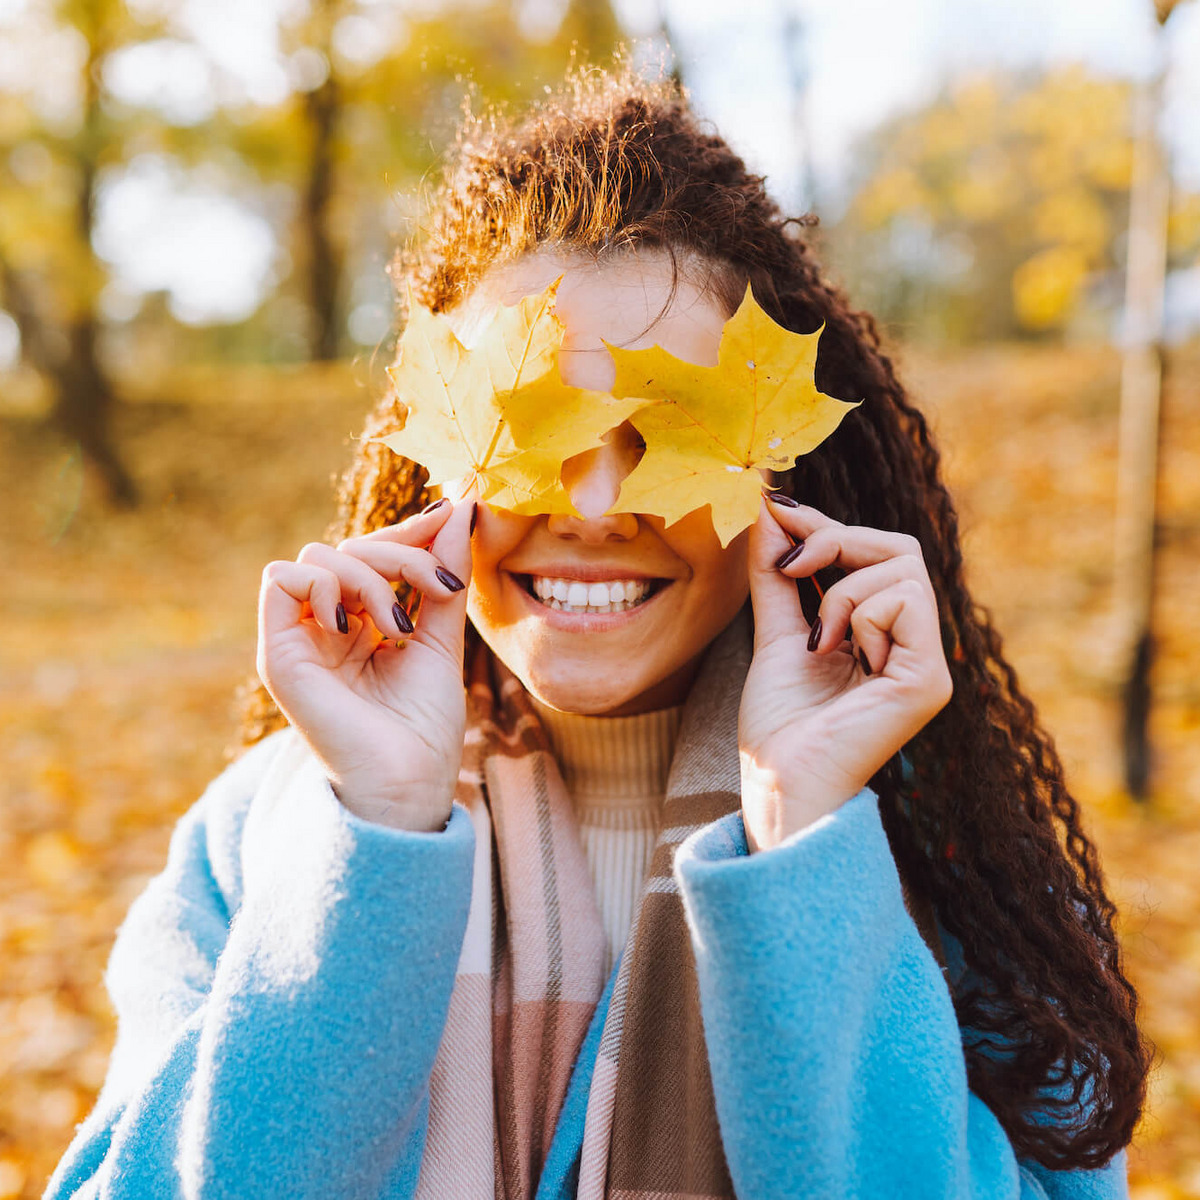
x=583, y=694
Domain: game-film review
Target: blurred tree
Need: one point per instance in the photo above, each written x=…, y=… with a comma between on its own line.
x=322, y=109
x=1144, y=368
x=376, y=98
x=374, y=95
x=50, y=277
x=998, y=211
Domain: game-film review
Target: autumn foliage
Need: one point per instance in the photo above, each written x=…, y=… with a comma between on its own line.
x=499, y=417
x=999, y=209
x=700, y=449
x=125, y=636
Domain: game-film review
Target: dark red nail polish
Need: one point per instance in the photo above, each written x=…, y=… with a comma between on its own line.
x=449, y=579
x=814, y=634
x=474, y=515
x=430, y=507
x=783, y=499
x=866, y=663
x=339, y=614
x=789, y=556
x=403, y=620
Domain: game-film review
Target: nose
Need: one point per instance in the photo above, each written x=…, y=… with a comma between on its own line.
x=593, y=481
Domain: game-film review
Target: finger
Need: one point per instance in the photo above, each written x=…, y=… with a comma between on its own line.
x=898, y=635
x=286, y=588
x=394, y=561
x=417, y=530
x=828, y=541
x=362, y=588
x=848, y=593
x=773, y=595
x=444, y=611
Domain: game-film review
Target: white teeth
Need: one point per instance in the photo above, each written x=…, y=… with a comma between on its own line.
x=573, y=595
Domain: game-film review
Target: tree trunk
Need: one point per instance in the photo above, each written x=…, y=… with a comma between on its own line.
x=322, y=108
x=83, y=396
x=795, y=40
x=1137, y=470
x=83, y=409
x=83, y=399
x=667, y=34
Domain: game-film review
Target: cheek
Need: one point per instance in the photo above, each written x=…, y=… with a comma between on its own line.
x=715, y=572
x=485, y=608
x=497, y=534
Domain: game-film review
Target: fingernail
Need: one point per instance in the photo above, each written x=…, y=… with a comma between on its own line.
x=782, y=498
x=474, y=515
x=339, y=614
x=789, y=556
x=403, y=620
x=866, y=664
x=430, y=507
x=449, y=579
x=814, y=634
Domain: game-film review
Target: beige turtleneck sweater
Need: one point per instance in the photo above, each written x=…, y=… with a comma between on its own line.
x=615, y=769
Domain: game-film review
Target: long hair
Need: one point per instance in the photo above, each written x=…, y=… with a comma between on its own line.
x=981, y=821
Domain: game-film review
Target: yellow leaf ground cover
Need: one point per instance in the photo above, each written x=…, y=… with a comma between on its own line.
x=123, y=637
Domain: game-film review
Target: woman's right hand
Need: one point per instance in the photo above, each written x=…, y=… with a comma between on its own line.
x=386, y=720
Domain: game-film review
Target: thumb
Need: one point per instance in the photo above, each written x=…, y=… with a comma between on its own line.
x=774, y=596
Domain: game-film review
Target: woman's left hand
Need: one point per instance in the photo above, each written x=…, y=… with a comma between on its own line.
x=819, y=714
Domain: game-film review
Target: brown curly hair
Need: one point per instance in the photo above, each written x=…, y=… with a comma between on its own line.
x=980, y=822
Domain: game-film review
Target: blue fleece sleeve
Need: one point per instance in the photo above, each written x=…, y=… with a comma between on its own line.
x=836, y=1057
x=280, y=1004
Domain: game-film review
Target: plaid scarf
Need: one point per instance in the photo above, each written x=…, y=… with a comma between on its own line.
x=531, y=970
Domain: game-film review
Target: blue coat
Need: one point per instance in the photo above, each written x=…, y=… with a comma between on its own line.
x=282, y=987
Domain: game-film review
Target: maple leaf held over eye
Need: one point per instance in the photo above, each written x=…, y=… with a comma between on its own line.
x=710, y=429
x=498, y=414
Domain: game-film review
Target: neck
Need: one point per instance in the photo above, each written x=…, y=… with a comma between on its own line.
x=612, y=762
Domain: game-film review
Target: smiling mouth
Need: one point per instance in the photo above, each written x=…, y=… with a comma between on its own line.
x=576, y=596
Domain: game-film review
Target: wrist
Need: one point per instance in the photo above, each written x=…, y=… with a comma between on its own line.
x=392, y=810
x=774, y=808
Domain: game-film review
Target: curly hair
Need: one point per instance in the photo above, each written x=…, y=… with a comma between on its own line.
x=980, y=820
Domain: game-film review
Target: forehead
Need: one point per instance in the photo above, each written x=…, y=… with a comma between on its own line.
x=635, y=299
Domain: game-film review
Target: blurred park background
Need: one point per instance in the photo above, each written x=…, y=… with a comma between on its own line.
x=198, y=199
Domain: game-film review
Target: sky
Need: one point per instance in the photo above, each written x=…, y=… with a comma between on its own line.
x=862, y=61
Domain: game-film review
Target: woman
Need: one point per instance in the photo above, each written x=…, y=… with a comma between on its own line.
x=688, y=895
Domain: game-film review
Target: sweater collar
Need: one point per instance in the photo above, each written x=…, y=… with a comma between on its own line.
x=612, y=762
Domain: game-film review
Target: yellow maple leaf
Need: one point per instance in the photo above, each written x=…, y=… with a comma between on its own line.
x=498, y=414
x=711, y=429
